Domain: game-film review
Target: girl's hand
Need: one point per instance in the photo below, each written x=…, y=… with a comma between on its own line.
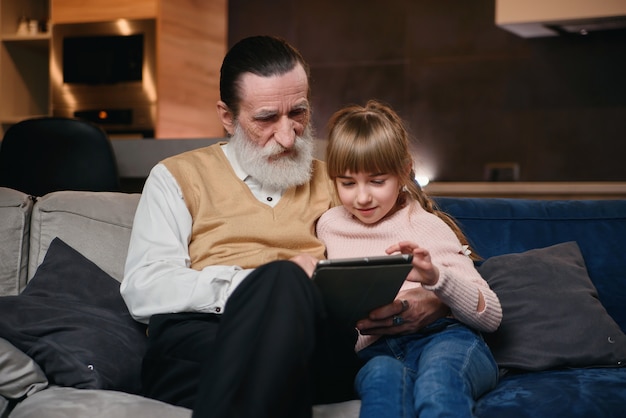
x=424, y=271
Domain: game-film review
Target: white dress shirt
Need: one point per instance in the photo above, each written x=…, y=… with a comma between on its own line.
x=157, y=277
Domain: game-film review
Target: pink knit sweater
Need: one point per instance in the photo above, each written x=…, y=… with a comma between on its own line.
x=459, y=282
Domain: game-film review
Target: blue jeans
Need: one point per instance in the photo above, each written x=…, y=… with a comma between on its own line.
x=437, y=372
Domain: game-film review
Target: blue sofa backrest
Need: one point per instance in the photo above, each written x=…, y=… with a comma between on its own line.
x=497, y=226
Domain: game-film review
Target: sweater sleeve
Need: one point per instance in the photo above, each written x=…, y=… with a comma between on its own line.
x=459, y=284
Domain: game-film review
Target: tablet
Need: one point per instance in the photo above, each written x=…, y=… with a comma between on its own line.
x=353, y=287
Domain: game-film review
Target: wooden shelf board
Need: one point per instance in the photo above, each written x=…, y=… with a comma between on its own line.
x=536, y=190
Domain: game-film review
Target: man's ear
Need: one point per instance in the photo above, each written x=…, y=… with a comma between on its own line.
x=226, y=116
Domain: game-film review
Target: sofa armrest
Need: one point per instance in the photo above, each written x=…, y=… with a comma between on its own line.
x=15, y=214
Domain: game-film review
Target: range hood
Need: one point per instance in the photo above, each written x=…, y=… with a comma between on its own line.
x=539, y=18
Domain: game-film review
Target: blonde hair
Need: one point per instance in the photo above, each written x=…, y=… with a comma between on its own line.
x=373, y=139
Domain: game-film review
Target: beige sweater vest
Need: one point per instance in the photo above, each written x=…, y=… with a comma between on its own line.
x=231, y=227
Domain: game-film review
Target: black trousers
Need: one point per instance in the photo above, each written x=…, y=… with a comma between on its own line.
x=272, y=353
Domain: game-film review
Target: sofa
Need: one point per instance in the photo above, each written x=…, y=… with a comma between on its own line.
x=68, y=347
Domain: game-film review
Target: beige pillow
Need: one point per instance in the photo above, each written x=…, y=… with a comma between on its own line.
x=20, y=375
x=15, y=213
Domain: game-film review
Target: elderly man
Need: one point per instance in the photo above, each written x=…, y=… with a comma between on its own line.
x=222, y=250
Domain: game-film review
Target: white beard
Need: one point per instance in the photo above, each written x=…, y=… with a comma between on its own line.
x=278, y=173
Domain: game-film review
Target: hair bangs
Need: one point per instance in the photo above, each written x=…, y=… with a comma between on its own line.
x=357, y=153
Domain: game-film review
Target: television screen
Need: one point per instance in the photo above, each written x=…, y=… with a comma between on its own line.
x=103, y=59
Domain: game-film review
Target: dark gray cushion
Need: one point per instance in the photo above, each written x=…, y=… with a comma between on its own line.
x=73, y=322
x=552, y=317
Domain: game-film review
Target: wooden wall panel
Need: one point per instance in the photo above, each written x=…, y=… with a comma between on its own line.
x=72, y=11
x=471, y=93
x=191, y=46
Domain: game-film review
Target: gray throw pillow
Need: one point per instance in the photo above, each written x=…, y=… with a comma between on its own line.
x=72, y=320
x=552, y=317
x=19, y=374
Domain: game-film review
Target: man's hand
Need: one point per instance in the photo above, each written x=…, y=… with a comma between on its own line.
x=411, y=311
x=306, y=261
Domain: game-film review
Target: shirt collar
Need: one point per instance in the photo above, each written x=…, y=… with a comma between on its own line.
x=232, y=159
x=264, y=194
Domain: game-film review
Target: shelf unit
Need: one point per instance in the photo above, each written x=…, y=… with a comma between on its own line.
x=24, y=62
x=191, y=40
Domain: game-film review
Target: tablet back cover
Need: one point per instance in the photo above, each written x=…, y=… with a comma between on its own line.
x=351, y=292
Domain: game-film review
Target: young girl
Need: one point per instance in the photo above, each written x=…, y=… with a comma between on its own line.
x=441, y=369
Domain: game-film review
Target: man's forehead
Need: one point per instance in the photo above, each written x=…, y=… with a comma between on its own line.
x=289, y=89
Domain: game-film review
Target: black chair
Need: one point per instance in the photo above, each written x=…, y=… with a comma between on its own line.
x=42, y=155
